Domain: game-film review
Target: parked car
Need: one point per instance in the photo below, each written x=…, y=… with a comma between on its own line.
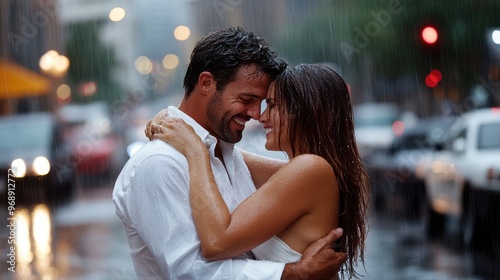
x=36, y=159
x=373, y=126
x=90, y=132
x=463, y=180
x=392, y=171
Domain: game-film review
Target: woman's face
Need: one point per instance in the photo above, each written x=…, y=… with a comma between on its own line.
x=276, y=126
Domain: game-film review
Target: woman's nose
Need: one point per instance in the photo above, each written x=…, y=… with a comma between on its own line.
x=263, y=116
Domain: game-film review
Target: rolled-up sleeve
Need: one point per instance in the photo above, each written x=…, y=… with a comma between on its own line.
x=153, y=203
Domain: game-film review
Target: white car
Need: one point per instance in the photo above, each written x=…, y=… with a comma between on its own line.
x=463, y=178
x=373, y=126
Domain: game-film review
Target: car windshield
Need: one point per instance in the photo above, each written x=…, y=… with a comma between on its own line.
x=412, y=142
x=489, y=136
x=25, y=136
x=375, y=115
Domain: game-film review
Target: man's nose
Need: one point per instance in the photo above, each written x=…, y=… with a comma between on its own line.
x=254, y=112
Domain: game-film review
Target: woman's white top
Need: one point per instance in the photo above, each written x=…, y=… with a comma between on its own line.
x=276, y=250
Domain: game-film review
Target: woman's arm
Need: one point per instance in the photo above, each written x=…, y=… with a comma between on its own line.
x=288, y=195
x=261, y=168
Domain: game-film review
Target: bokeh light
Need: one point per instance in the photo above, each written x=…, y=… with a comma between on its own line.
x=495, y=36
x=143, y=65
x=429, y=35
x=182, y=33
x=63, y=92
x=170, y=61
x=117, y=14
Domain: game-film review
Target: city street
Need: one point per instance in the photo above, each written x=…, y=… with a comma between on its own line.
x=85, y=240
x=408, y=89
x=81, y=240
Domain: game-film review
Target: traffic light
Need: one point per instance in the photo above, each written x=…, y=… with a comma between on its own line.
x=429, y=35
x=433, y=78
x=430, y=43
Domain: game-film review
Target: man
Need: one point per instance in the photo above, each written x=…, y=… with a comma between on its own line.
x=226, y=80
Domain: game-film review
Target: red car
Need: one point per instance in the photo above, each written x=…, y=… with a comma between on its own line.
x=90, y=133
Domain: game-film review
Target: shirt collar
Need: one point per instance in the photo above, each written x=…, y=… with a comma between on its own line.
x=208, y=139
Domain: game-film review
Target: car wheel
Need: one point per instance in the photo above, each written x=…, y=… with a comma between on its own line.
x=475, y=232
x=469, y=227
x=469, y=224
x=432, y=222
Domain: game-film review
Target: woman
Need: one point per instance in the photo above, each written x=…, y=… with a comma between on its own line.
x=323, y=186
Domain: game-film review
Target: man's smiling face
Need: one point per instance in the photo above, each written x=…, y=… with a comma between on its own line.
x=237, y=103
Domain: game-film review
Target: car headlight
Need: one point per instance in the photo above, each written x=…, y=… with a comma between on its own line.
x=18, y=168
x=41, y=166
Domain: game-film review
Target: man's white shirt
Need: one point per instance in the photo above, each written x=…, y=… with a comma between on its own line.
x=151, y=196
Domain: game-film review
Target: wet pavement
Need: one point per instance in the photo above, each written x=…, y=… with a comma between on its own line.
x=85, y=240
x=81, y=240
x=396, y=249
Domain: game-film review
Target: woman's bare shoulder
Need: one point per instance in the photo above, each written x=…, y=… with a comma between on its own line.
x=310, y=166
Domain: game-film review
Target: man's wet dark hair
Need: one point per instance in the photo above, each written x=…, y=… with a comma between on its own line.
x=222, y=52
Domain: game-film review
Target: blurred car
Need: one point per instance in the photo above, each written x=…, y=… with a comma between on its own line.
x=374, y=126
x=34, y=152
x=392, y=171
x=89, y=130
x=463, y=180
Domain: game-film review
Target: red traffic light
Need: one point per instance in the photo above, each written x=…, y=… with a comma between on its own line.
x=433, y=78
x=429, y=35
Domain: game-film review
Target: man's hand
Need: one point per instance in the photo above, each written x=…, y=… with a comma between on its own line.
x=319, y=260
x=150, y=128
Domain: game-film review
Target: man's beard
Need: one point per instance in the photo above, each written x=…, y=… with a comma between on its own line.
x=221, y=124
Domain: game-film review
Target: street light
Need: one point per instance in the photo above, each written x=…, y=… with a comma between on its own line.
x=54, y=64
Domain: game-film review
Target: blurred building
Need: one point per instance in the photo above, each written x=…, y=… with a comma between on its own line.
x=166, y=35
x=27, y=30
x=265, y=18
x=118, y=31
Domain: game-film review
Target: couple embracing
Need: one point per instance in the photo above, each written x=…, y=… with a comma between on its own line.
x=194, y=206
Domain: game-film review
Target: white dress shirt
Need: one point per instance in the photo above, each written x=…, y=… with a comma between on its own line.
x=151, y=196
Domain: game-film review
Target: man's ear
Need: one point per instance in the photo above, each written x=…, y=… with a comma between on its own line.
x=206, y=83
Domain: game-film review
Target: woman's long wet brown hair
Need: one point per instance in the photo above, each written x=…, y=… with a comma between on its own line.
x=315, y=100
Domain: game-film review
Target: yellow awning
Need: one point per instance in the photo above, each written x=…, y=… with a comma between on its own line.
x=17, y=81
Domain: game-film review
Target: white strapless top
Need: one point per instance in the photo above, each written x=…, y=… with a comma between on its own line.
x=276, y=250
